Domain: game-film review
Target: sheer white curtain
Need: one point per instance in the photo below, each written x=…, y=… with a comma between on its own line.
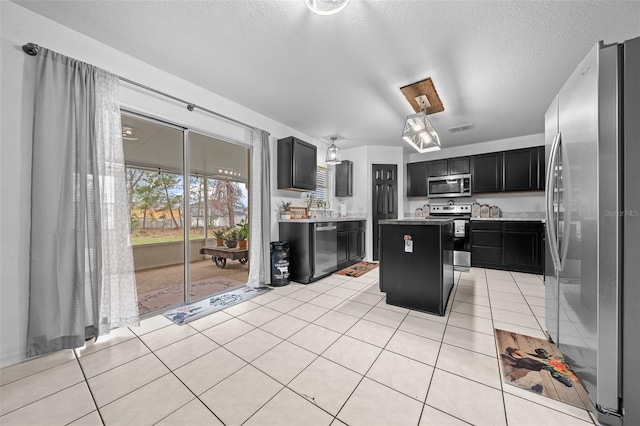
x=260, y=221
x=81, y=281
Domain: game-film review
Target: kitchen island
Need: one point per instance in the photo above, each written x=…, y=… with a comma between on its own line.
x=416, y=263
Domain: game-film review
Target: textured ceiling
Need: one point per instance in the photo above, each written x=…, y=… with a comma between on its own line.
x=495, y=64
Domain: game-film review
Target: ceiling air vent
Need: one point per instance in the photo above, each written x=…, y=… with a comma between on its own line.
x=461, y=128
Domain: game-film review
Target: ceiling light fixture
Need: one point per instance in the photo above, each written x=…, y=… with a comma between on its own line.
x=326, y=7
x=333, y=153
x=128, y=134
x=418, y=130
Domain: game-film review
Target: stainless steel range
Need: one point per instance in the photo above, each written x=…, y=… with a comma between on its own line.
x=461, y=213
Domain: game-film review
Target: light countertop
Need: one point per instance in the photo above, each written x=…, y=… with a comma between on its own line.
x=513, y=219
x=323, y=219
x=417, y=221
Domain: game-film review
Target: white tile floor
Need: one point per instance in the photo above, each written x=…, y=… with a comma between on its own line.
x=329, y=353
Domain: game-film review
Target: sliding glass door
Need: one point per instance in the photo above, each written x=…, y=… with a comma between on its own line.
x=168, y=205
x=218, y=205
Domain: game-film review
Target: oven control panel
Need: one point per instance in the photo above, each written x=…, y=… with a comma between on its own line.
x=451, y=209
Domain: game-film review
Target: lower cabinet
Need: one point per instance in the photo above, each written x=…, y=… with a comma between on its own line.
x=508, y=245
x=351, y=243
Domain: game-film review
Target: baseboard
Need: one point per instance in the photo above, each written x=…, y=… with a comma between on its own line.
x=11, y=359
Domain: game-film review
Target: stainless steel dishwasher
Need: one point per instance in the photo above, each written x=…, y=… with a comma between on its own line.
x=325, y=248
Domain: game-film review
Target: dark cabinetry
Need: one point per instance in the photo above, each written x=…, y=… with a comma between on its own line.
x=344, y=179
x=522, y=244
x=524, y=169
x=521, y=170
x=448, y=166
x=487, y=173
x=505, y=171
x=542, y=161
x=297, y=161
x=514, y=170
x=351, y=243
x=486, y=244
x=417, y=179
x=508, y=245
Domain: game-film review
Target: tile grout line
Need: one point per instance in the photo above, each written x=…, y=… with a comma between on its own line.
x=286, y=386
x=51, y=394
x=86, y=381
x=178, y=378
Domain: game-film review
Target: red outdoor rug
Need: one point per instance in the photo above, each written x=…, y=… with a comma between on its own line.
x=358, y=269
x=538, y=366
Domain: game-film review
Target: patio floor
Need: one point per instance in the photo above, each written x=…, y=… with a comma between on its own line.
x=161, y=287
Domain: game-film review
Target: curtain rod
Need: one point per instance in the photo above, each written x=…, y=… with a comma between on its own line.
x=31, y=49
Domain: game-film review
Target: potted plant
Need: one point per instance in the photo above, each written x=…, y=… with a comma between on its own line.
x=243, y=234
x=285, y=210
x=219, y=234
x=231, y=238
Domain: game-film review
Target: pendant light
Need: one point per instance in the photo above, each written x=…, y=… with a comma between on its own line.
x=326, y=7
x=333, y=153
x=420, y=134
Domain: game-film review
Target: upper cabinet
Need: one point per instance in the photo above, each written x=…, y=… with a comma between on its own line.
x=524, y=169
x=542, y=161
x=297, y=163
x=448, y=166
x=505, y=171
x=487, y=173
x=344, y=179
x=417, y=179
x=521, y=169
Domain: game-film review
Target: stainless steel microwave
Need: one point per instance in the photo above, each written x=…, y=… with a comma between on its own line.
x=449, y=186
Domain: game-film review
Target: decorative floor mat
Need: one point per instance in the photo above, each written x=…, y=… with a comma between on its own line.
x=538, y=366
x=358, y=269
x=213, y=304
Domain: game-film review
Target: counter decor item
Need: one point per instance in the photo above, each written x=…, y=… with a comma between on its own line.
x=494, y=211
x=285, y=209
x=475, y=210
x=426, y=211
x=298, y=212
x=419, y=212
x=484, y=211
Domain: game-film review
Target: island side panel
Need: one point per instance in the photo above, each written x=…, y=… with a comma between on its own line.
x=421, y=279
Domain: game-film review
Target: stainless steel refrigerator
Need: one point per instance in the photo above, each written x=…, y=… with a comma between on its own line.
x=592, y=268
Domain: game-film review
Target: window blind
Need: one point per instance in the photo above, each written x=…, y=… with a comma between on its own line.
x=324, y=184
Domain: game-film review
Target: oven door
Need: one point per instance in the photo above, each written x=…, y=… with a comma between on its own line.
x=461, y=244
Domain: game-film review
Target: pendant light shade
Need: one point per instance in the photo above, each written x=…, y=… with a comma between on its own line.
x=333, y=153
x=419, y=133
x=326, y=7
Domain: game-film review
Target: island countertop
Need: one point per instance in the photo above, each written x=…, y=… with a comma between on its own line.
x=417, y=221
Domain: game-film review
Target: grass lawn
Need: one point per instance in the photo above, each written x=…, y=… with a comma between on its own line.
x=154, y=236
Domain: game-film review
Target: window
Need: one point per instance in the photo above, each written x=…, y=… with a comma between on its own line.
x=324, y=185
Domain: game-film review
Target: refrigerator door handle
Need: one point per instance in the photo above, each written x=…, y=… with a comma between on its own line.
x=566, y=201
x=551, y=225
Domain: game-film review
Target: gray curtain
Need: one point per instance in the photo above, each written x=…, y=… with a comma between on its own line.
x=69, y=187
x=260, y=220
x=265, y=270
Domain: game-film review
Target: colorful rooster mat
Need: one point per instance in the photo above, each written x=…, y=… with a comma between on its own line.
x=538, y=366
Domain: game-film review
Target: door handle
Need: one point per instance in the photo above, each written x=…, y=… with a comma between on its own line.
x=326, y=228
x=550, y=188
